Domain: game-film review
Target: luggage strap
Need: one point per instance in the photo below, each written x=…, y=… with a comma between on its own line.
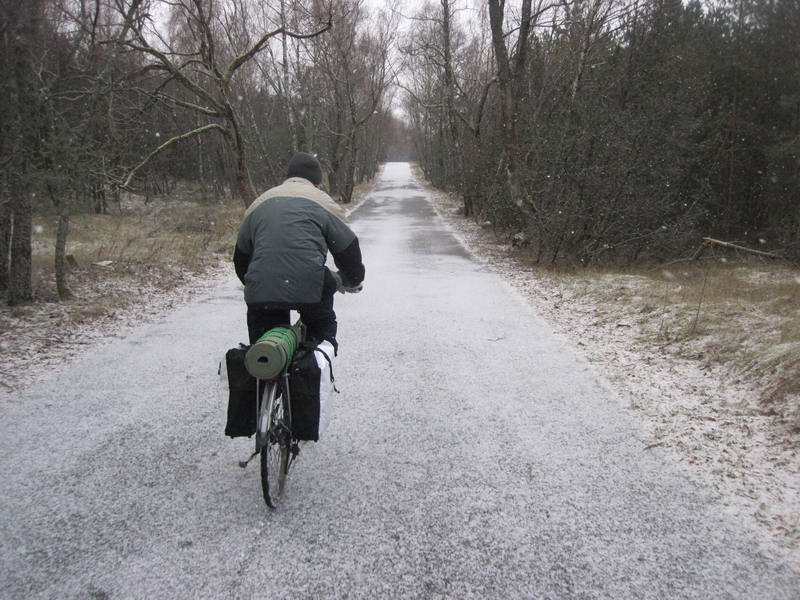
x=330, y=366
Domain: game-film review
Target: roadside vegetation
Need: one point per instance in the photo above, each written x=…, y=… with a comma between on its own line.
x=167, y=239
x=613, y=131
x=741, y=316
x=729, y=311
x=123, y=266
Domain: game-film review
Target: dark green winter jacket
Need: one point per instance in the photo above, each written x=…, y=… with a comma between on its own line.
x=284, y=241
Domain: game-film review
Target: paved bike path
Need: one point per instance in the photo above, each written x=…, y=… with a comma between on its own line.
x=471, y=455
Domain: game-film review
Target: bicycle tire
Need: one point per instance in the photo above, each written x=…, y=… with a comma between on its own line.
x=275, y=446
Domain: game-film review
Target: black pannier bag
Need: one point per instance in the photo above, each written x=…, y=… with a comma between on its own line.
x=305, y=387
x=241, y=395
x=304, y=392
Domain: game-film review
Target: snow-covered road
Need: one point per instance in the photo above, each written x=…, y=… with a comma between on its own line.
x=472, y=455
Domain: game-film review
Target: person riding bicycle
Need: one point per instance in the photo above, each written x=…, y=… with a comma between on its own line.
x=281, y=251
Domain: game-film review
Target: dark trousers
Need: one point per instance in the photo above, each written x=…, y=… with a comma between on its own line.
x=319, y=319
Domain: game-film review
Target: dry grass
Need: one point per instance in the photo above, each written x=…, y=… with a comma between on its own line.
x=124, y=267
x=162, y=239
x=742, y=316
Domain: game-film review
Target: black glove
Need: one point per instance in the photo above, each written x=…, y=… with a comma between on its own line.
x=339, y=282
x=347, y=287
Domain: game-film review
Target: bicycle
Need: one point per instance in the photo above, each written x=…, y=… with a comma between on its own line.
x=274, y=441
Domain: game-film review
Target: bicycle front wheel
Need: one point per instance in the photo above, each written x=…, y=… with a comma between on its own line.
x=275, y=444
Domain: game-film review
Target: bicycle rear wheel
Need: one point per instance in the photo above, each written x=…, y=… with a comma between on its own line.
x=275, y=442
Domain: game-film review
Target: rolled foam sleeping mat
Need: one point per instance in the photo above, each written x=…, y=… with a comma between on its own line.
x=270, y=355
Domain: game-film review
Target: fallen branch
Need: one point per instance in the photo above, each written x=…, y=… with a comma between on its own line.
x=693, y=258
x=708, y=242
x=700, y=249
x=713, y=242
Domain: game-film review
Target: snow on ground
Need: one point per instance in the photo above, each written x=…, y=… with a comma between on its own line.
x=452, y=468
x=711, y=421
x=39, y=339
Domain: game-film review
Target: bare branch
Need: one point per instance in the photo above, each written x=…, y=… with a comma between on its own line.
x=195, y=107
x=259, y=45
x=174, y=140
x=711, y=241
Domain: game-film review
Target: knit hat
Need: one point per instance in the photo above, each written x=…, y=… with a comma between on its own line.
x=306, y=166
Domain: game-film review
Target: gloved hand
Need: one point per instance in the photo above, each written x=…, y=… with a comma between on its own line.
x=355, y=289
x=339, y=282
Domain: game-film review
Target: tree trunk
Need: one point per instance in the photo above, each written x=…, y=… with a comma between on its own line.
x=244, y=185
x=349, y=179
x=285, y=82
x=20, y=288
x=348, y=183
x=509, y=81
x=99, y=200
x=456, y=174
x=60, y=257
x=5, y=244
x=61, y=249
x=27, y=43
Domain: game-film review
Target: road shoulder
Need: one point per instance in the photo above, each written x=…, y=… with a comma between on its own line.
x=698, y=416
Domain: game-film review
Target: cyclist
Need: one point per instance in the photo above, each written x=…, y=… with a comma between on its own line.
x=281, y=252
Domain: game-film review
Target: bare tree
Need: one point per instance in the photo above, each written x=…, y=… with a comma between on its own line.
x=22, y=23
x=355, y=64
x=511, y=74
x=203, y=71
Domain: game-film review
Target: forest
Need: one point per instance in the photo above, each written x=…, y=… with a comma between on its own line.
x=589, y=131
x=608, y=131
x=103, y=98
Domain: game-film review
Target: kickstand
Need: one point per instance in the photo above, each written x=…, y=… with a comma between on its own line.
x=294, y=451
x=243, y=463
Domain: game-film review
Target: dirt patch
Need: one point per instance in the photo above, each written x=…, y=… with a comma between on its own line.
x=708, y=355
